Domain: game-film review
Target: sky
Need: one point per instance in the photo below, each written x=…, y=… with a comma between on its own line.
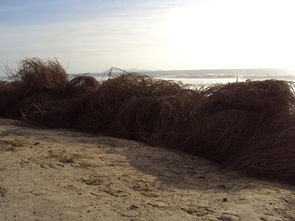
x=94, y=35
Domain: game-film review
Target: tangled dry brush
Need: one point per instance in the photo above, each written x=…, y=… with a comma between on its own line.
x=247, y=126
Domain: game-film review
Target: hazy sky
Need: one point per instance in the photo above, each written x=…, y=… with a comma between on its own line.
x=93, y=35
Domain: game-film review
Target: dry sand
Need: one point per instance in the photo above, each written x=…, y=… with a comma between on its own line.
x=66, y=175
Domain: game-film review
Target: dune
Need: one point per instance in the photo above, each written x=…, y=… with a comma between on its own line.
x=60, y=174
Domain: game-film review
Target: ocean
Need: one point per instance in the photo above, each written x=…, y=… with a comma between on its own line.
x=207, y=77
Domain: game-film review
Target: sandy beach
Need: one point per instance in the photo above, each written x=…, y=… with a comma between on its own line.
x=59, y=174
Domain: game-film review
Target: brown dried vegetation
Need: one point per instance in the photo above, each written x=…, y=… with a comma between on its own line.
x=248, y=126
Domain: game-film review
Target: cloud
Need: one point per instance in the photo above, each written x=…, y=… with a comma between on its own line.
x=92, y=45
x=166, y=35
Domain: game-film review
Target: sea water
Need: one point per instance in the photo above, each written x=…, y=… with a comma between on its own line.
x=216, y=76
x=205, y=77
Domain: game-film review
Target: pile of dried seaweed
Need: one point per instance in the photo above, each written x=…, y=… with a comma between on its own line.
x=249, y=126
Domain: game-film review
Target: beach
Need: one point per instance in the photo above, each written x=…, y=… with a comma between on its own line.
x=59, y=174
x=147, y=110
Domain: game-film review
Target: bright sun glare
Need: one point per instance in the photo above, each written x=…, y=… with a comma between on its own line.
x=233, y=33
